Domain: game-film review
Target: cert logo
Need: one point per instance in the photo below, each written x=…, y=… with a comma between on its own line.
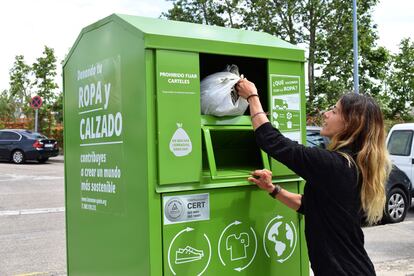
x=174, y=209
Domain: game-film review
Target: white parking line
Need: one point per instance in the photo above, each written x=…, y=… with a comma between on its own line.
x=18, y=177
x=31, y=211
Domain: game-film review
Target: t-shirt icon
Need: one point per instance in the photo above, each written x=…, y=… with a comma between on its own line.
x=237, y=246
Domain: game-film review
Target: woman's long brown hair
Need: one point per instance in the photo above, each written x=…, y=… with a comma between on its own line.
x=364, y=132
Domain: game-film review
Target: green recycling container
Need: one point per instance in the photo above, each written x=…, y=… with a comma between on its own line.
x=153, y=187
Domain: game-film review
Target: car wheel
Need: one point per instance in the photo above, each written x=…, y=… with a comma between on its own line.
x=18, y=157
x=43, y=160
x=396, y=206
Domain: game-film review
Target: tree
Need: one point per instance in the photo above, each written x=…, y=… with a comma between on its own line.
x=374, y=71
x=401, y=81
x=334, y=53
x=44, y=70
x=325, y=26
x=20, y=84
x=294, y=21
x=207, y=12
x=57, y=108
x=7, y=106
x=285, y=19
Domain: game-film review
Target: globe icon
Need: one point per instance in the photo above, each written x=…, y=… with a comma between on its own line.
x=282, y=238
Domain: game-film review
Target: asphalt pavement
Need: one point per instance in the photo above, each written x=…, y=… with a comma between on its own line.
x=32, y=226
x=391, y=247
x=32, y=219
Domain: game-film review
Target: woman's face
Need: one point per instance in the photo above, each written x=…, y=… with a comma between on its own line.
x=333, y=121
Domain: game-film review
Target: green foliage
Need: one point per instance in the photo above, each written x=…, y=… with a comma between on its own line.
x=27, y=81
x=374, y=71
x=325, y=26
x=57, y=108
x=44, y=70
x=335, y=55
x=20, y=85
x=280, y=18
x=400, y=92
x=7, y=106
x=209, y=12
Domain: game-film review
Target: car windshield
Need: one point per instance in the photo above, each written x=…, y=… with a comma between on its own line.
x=314, y=139
x=34, y=135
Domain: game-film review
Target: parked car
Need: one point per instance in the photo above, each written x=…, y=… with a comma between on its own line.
x=19, y=145
x=400, y=144
x=314, y=137
x=399, y=188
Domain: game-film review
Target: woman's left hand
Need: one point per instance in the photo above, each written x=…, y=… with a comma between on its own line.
x=263, y=179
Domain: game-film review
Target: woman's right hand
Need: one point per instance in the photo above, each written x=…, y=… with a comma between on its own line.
x=263, y=179
x=245, y=88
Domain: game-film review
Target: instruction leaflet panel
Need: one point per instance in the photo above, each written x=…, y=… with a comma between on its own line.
x=178, y=117
x=285, y=103
x=100, y=136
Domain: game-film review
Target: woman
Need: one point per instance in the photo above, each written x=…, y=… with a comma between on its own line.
x=343, y=183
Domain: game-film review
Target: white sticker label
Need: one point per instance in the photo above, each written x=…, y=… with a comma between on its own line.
x=180, y=144
x=178, y=209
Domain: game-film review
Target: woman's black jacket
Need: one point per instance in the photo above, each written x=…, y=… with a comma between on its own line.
x=331, y=203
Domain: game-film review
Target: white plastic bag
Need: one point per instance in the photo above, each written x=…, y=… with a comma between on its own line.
x=216, y=96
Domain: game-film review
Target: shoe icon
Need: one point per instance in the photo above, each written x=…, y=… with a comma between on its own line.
x=188, y=254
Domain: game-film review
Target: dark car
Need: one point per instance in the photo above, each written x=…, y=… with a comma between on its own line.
x=314, y=137
x=398, y=187
x=19, y=145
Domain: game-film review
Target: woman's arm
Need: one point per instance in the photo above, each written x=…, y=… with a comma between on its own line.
x=309, y=163
x=291, y=200
x=264, y=182
x=246, y=89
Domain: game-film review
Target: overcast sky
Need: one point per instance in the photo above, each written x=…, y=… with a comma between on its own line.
x=27, y=25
